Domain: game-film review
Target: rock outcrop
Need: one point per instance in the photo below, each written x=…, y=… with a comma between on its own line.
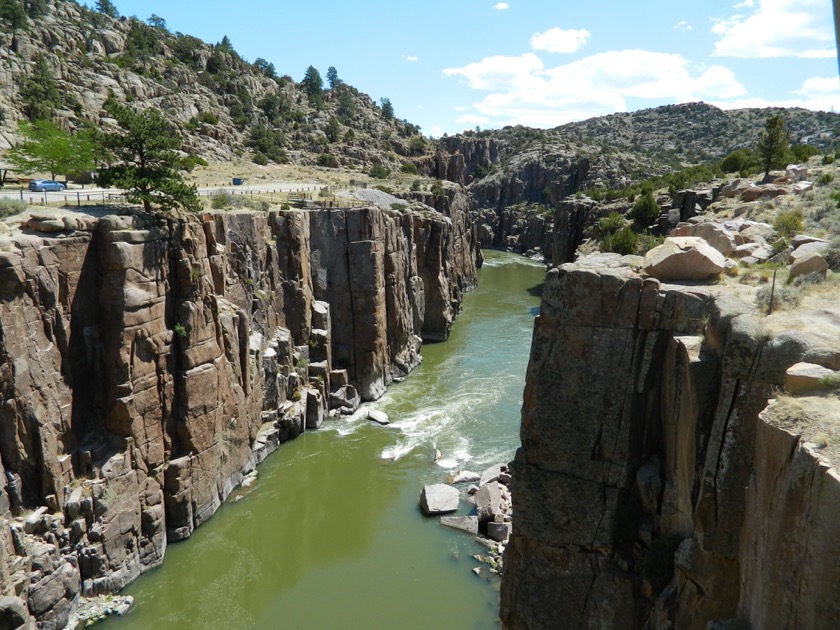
x=147, y=365
x=658, y=484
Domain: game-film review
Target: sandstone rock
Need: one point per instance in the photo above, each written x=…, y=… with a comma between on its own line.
x=806, y=249
x=802, y=378
x=439, y=499
x=765, y=191
x=684, y=259
x=467, y=524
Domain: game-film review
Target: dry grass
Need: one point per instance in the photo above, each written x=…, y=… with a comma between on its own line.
x=815, y=418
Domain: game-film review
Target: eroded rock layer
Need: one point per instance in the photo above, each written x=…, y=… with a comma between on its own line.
x=148, y=365
x=653, y=487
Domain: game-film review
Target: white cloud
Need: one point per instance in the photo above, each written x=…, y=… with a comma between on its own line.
x=557, y=40
x=410, y=57
x=817, y=93
x=501, y=6
x=777, y=28
x=523, y=91
x=682, y=25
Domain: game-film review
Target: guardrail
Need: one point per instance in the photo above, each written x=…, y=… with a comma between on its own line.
x=306, y=197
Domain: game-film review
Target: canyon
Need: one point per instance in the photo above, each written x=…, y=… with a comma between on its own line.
x=149, y=364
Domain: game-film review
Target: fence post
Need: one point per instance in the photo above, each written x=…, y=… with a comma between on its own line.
x=78, y=199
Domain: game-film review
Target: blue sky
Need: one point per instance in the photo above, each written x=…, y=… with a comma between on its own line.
x=457, y=64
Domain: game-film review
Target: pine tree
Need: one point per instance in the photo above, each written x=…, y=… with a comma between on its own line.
x=773, y=144
x=107, y=7
x=313, y=85
x=147, y=162
x=12, y=14
x=40, y=92
x=387, y=108
x=332, y=77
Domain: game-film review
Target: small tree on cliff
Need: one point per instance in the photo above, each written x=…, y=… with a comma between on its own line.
x=147, y=164
x=773, y=144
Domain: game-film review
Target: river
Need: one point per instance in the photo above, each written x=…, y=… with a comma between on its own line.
x=331, y=535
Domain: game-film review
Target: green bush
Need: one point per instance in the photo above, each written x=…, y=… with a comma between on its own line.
x=611, y=224
x=645, y=211
x=327, y=160
x=259, y=158
x=409, y=168
x=437, y=188
x=399, y=207
x=379, y=171
x=622, y=242
x=415, y=185
x=789, y=223
x=832, y=254
x=825, y=179
x=828, y=158
x=740, y=161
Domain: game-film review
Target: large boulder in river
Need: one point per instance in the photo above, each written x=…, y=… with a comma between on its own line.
x=439, y=499
x=684, y=258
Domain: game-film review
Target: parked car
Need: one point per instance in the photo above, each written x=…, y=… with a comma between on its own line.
x=41, y=185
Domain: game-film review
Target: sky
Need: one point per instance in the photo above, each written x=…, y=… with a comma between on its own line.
x=460, y=64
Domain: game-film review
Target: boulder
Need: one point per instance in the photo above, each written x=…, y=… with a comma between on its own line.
x=806, y=249
x=736, y=187
x=380, y=417
x=803, y=239
x=488, y=502
x=811, y=262
x=713, y=233
x=499, y=532
x=491, y=474
x=803, y=378
x=467, y=524
x=684, y=258
x=765, y=191
x=466, y=476
x=439, y=498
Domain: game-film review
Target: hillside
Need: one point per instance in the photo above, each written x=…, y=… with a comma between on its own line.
x=220, y=104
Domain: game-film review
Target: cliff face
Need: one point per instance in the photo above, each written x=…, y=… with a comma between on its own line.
x=650, y=450
x=147, y=365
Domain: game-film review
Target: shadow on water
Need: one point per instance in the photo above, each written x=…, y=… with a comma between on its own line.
x=536, y=290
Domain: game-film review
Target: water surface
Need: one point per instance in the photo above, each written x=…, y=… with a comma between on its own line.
x=331, y=536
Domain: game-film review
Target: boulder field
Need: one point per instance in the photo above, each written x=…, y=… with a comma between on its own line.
x=666, y=479
x=147, y=365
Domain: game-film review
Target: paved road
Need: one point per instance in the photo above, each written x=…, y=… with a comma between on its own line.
x=92, y=194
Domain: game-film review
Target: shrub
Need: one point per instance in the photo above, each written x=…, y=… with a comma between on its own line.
x=8, y=207
x=327, y=160
x=415, y=185
x=437, y=188
x=408, y=168
x=179, y=330
x=789, y=223
x=832, y=254
x=220, y=201
x=825, y=179
x=399, y=207
x=379, y=171
x=645, y=211
x=385, y=189
x=828, y=159
x=259, y=158
x=610, y=224
x=622, y=242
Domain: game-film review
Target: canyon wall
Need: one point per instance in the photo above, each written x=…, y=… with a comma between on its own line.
x=148, y=364
x=658, y=484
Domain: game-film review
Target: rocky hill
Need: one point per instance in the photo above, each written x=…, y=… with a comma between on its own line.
x=219, y=103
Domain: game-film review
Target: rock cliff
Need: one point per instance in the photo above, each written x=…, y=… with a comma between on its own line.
x=148, y=364
x=665, y=479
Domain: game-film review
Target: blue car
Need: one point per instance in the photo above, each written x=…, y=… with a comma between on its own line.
x=41, y=185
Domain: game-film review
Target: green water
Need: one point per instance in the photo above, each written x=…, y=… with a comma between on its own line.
x=331, y=536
